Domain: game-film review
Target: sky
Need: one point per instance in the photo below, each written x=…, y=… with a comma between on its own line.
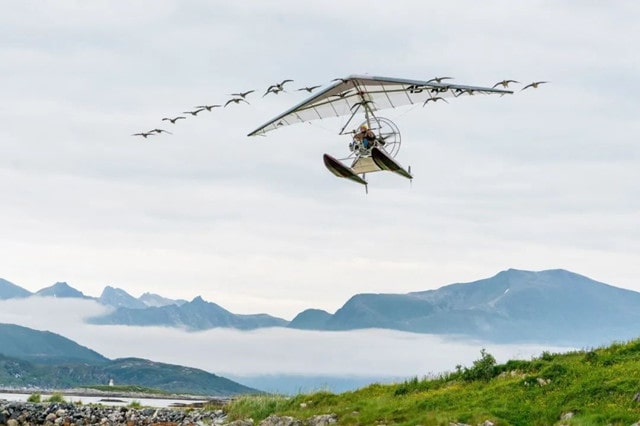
x=541, y=179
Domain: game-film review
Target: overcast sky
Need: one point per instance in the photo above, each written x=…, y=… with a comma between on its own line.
x=545, y=178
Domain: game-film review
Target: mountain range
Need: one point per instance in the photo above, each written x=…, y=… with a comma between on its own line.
x=552, y=306
x=110, y=296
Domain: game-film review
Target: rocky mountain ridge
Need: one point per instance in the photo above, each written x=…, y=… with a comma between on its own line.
x=111, y=296
x=552, y=306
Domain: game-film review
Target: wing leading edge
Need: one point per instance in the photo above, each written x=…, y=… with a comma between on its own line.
x=343, y=97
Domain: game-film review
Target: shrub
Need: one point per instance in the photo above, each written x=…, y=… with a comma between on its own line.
x=483, y=368
x=553, y=371
x=406, y=386
x=590, y=357
x=514, y=365
x=34, y=397
x=56, y=397
x=547, y=356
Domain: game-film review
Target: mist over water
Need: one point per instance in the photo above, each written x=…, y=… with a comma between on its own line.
x=369, y=353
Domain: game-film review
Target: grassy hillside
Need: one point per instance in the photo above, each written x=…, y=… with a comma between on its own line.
x=15, y=372
x=595, y=387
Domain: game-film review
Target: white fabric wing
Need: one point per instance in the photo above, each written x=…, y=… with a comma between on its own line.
x=346, y=95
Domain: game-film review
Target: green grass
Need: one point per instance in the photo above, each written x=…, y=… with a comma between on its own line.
x=597, y=386
x=135, y=404
x=256, y=407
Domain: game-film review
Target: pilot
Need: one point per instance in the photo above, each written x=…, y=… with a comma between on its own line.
x=365, y=136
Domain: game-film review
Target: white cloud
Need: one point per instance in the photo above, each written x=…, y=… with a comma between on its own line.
x=369, y=353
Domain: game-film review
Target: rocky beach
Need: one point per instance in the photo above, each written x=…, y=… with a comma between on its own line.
x=14, y=413
x=26, y=413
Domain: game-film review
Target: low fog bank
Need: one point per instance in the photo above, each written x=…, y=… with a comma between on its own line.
x=258, y=355
x=286, y=384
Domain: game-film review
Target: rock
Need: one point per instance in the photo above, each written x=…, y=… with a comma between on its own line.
x=21, y=413
x=566, y=416
x=543, y=382
x=322, y=420
x=636, y=397
x=274, y=420
x=245, y=422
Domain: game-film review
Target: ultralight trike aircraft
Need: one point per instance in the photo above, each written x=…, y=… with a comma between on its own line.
x=359, y=95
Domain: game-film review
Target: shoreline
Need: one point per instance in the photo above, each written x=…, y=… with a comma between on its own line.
x=212, y=399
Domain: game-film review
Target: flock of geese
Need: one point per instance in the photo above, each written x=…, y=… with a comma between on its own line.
x=236, y=98
x=276, y=88
x=503, y=83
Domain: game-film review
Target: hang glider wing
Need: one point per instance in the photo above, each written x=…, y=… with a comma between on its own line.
x=346, y=95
